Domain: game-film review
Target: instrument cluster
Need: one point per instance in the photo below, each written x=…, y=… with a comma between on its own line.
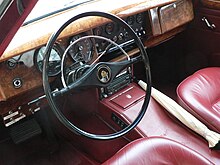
x=119, y=34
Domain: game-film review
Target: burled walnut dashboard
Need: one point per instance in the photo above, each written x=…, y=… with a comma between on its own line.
x=162, y=19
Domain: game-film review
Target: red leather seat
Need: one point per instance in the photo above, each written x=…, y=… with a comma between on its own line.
x=200, y=95
x=155, y=151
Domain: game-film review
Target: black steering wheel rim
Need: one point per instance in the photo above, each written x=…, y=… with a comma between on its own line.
x=50, y=96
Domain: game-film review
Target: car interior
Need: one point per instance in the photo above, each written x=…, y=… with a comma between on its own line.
x=70, y=73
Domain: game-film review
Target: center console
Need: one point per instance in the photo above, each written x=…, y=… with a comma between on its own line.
x=122, y=107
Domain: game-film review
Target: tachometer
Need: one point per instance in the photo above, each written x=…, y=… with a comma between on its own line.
x=54, y=60
x=109, y=28
x=81, y=51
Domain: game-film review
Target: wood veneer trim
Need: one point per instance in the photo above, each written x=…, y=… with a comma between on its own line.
x=2, y=95
x=215, y=4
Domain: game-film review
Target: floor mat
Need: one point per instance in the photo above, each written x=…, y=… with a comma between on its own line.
x=38, y=152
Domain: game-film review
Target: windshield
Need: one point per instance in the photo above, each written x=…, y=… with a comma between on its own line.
x=46, y=8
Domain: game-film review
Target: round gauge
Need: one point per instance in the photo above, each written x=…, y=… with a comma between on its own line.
x=98, y=31
x=139, y=18
x=81, y=50
x=54, y=60
x=109, y=28
x=130, y=20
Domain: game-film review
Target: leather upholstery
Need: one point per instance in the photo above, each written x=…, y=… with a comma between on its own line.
x=200, y=95
x=156, y=150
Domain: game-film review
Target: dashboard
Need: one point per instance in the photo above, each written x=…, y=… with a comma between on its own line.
x=21, y=71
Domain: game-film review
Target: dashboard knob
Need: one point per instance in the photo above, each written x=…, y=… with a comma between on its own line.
x=17, y=83
x=120, y=36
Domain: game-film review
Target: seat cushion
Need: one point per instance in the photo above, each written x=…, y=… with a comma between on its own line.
x=200, y=95
x=156, y=150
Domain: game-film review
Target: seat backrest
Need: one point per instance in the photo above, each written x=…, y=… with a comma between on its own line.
x=200, y=95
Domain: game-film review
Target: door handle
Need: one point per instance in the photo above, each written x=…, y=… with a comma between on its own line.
x=208, y=24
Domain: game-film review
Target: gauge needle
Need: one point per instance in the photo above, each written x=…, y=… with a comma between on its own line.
x=106, y=49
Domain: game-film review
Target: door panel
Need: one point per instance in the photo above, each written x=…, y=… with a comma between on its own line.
x=203, y=39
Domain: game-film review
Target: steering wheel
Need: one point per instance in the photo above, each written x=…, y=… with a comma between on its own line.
x=98, y=74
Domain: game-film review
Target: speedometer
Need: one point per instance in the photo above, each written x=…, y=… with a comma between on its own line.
x=54, y=60
x=81, y=51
